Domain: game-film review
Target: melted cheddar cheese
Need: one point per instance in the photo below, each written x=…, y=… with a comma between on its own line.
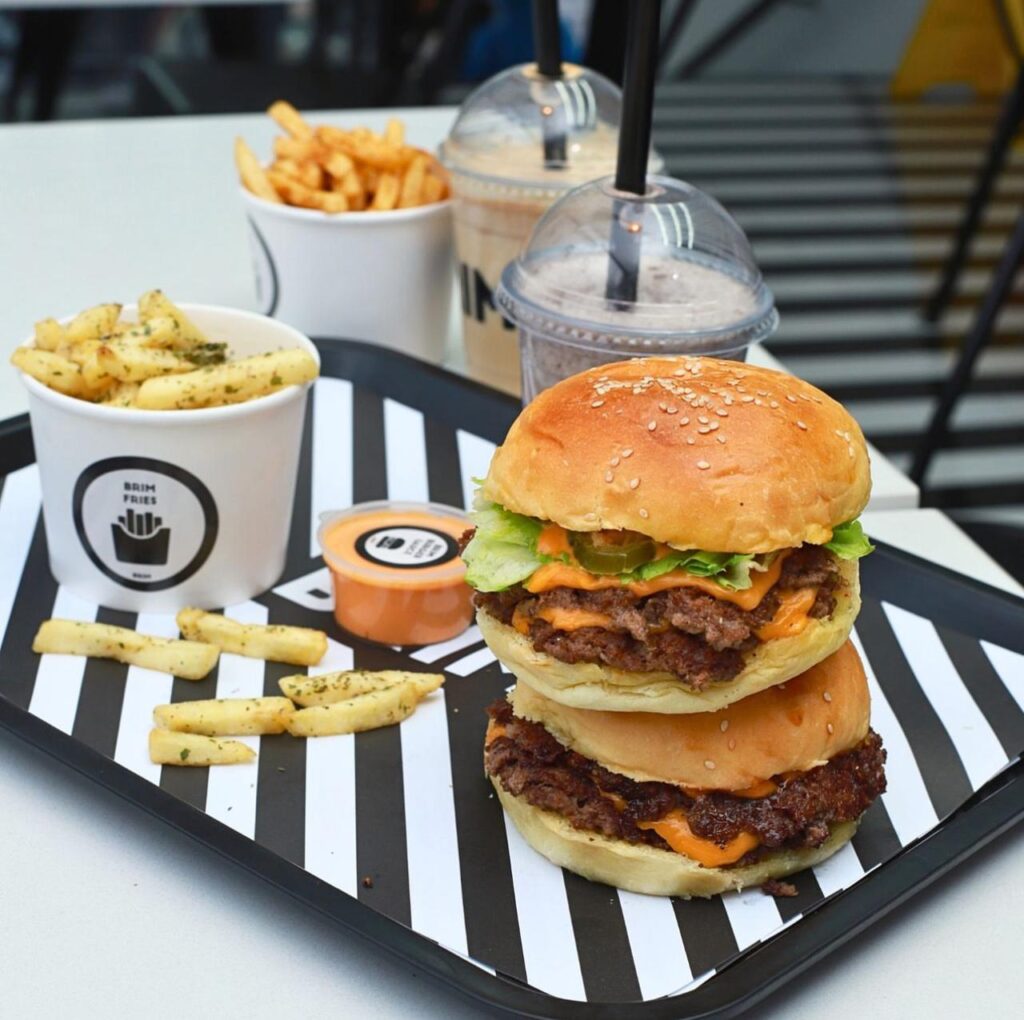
x=791, y=617
x=675, y=830
x=561, y=575
x=554, y=541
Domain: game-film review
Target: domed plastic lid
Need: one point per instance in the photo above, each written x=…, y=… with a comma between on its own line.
x=511, y=129
x=698, y=290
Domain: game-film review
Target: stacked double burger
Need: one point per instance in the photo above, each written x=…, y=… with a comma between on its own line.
x=665, y=556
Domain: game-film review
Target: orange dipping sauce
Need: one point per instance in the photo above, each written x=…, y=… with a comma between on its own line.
x=396, y=571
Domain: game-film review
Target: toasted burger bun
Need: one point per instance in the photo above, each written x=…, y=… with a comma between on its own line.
x=647, y=869
x=594, y=686
x=792, y=728
x=792, y=467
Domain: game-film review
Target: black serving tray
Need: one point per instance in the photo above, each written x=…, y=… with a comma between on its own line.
x=969, y=812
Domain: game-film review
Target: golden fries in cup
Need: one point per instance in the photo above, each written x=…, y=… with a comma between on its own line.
x=334, y=170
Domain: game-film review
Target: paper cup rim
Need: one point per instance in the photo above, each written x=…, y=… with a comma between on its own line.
x=354, y=217
x=178, y=417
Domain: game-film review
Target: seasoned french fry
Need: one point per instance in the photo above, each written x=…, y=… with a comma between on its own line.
x=337, y=164
x=394, y=133
x=50, y=369
x=367, y=711
x=225, y=717
x=121, y=395
x=411, y=193
x=289, y=119
x=49, y=335
x=190, y=660
x=299, y=646
x=159, y=331
x=252, y=174
x=230, y=383
x=131, y=363
x=328, y=688
x=388, y=188
x=82, y=352
x=169, y=748
x=93, y=324
x=296, y=193
x=307, y=173
x=154, y=304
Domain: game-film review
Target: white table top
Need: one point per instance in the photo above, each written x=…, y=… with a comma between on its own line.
x=106, y=912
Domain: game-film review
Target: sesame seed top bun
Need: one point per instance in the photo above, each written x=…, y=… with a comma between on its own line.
x=791, y=727
x=699, y=453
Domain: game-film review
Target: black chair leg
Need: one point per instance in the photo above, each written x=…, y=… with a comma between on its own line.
x=1006, y=128
x=974, y=344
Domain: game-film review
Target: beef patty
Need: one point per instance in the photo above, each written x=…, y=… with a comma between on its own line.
x=685, y=631
x=530, y=763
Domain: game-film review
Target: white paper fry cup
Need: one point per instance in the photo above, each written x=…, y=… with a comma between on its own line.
x=150, y=511
x=385, y=277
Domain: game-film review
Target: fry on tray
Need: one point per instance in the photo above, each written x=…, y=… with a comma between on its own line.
x=335, y=170
x=299, y=646
x=329, y=688
x=190, y=660
x=230, y=383
x=220, y=717
x=367, y=711
x=169, y=748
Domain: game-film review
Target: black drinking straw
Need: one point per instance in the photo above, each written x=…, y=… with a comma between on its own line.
x=547, y=45
x=642, y=36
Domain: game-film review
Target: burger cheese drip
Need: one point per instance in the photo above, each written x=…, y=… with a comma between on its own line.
x=675, y=830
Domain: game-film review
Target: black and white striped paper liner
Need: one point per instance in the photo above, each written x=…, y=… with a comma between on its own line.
x=408, y=806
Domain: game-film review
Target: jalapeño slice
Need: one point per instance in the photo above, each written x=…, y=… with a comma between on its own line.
x=611, y=552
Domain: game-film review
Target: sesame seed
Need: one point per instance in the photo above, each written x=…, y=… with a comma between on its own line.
x=615, y=462
x=713, y=427
x=801, y=425
x=774, y=403
x=643, y=513
x=608, y=476
x=723, y=725
x=746, y=400
x=628, y=452
x=684, y=421
x=671, y=410
x=690, y=440
x=782, y=687
x=597, y=403
x=827, y=696
x=830, y=728
x=721, y=439
x=709, y=764
x=634, y=482
x=703, y=465
x=732, y=743
x=662, y=406
x=722, y=412
x=651, y=426
x=703, y=430
x=702, y=418
x=758, y=402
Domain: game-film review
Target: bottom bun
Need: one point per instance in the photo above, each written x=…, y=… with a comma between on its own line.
x=647, y=869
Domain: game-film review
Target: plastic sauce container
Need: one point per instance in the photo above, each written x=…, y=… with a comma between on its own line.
x=396, y=571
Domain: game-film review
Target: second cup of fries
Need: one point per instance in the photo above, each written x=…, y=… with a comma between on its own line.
x=167, y=439
x=351, y=233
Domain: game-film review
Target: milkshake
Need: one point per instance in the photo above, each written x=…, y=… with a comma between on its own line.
x=697, y=287
x=504, y=177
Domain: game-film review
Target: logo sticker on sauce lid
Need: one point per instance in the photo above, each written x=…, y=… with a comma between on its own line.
x=407, y=547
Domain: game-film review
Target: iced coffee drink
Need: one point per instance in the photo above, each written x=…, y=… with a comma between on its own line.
x=504, y=177
x=695, y=287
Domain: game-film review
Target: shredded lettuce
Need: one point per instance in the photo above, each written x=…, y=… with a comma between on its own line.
x=849, y=542
x=731, y=571
x=503, y=552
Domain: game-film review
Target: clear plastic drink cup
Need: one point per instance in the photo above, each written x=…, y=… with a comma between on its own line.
x=519, y=143
x=697, y=290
